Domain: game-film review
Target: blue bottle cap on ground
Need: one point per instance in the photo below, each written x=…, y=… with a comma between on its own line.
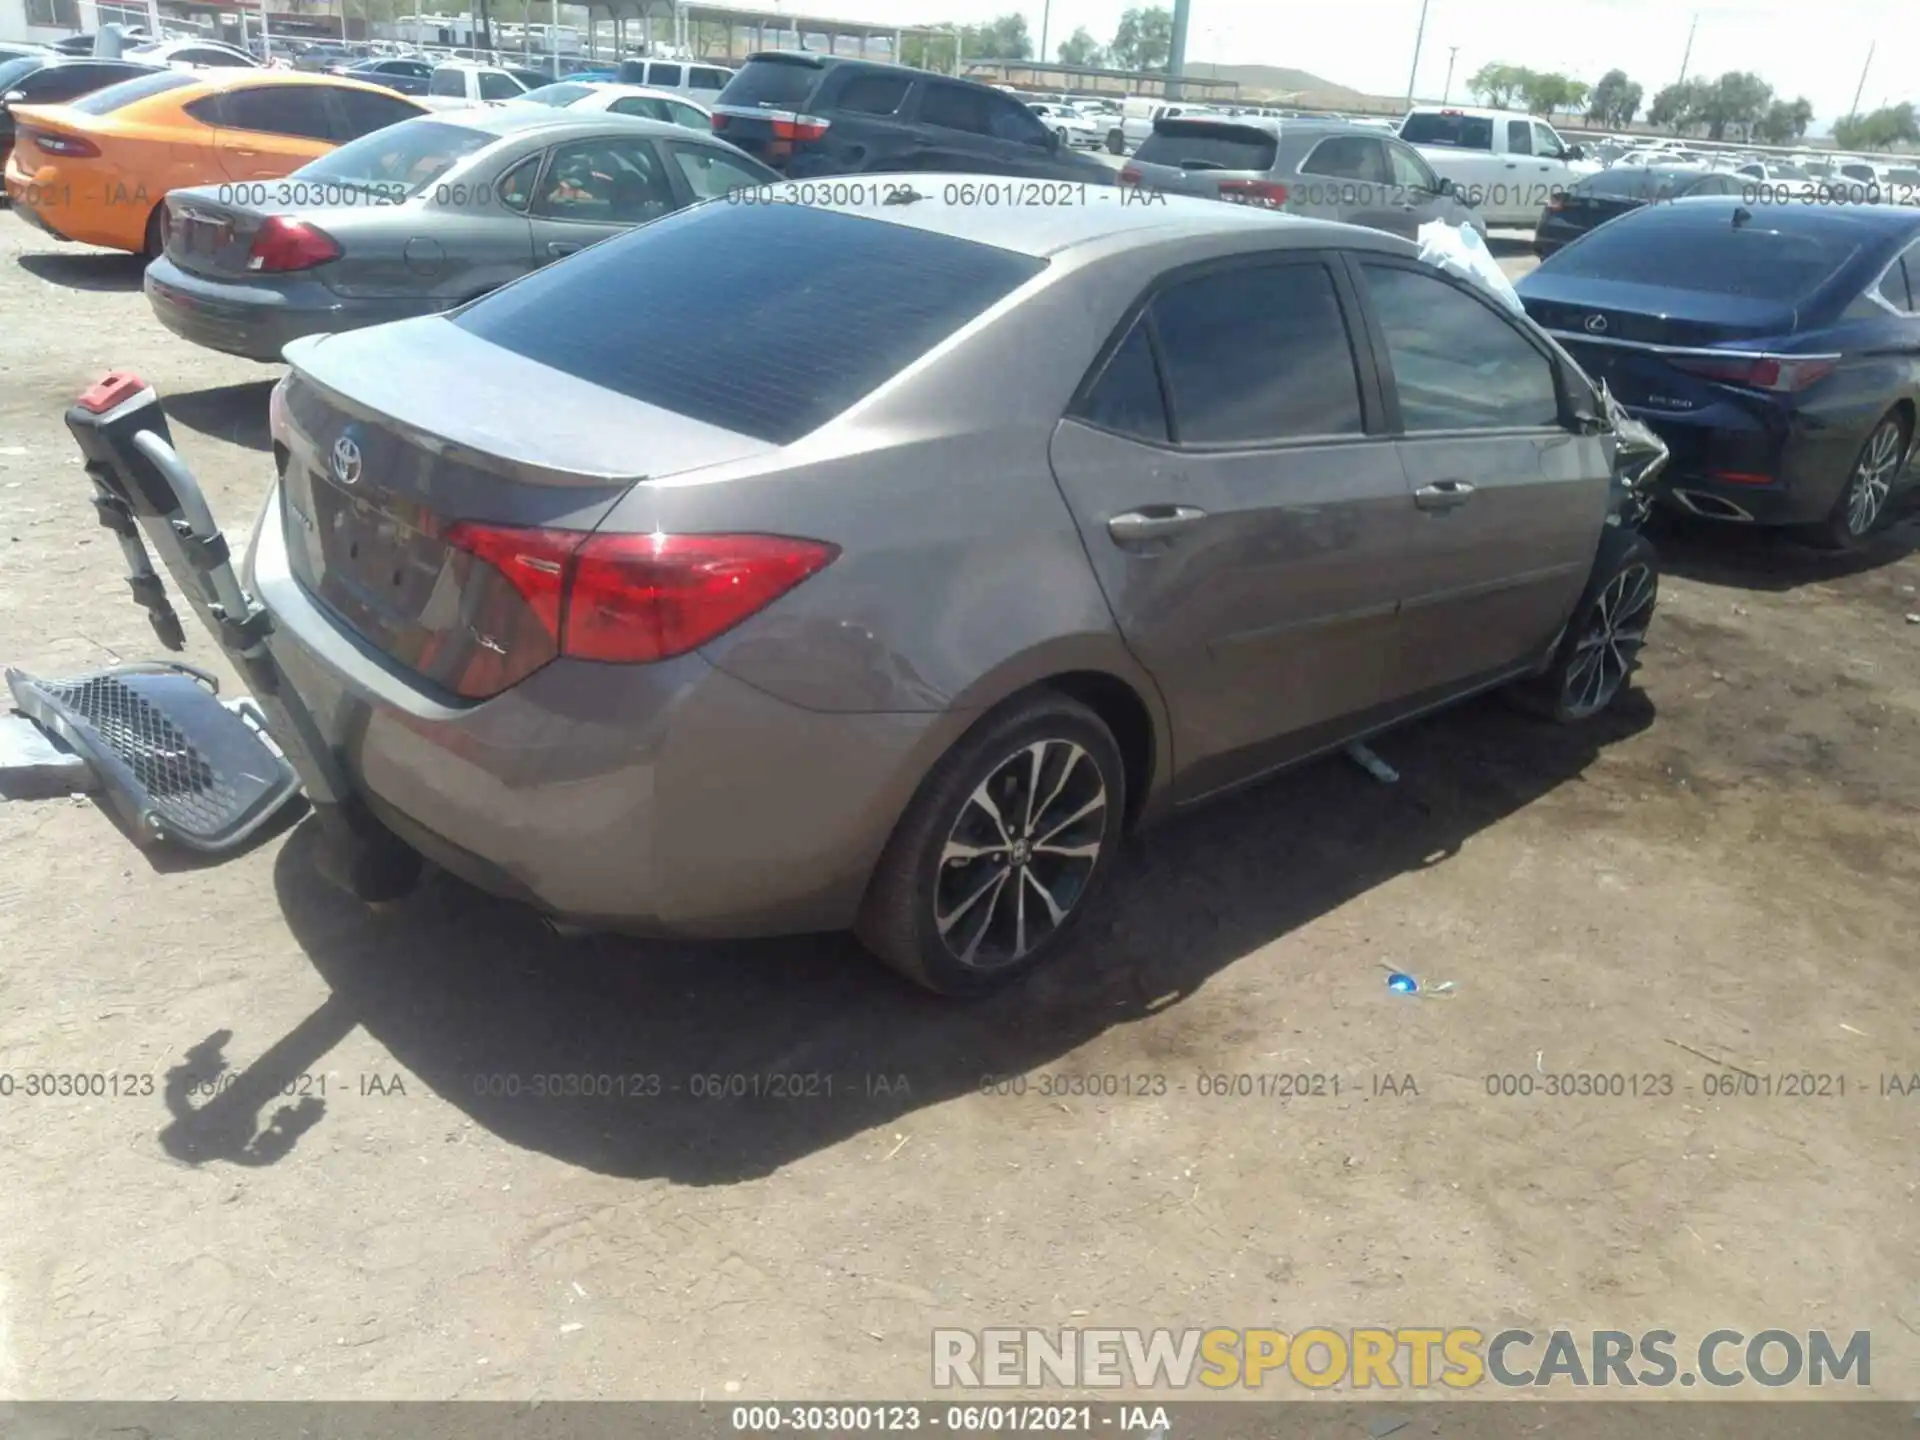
x=1402, y=984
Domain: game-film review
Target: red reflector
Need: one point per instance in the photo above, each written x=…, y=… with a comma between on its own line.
x=649, y=597
x=1740, y=477
x=112, y=390
x=637, y=598
x=719, y=123
x=1253, y=192
x=281, y=244
x=1129, y=176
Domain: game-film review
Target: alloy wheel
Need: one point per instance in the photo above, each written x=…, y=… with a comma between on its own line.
x=1611, y=638
x=1020, y=853
x=1873, y=478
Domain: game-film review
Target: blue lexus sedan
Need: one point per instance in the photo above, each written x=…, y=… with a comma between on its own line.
x=1775, y=347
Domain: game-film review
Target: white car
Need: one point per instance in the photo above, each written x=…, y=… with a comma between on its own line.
x=193, y=55
x=459, y=85
x=621, y=99
x=1068, y=124
x=1507, y=164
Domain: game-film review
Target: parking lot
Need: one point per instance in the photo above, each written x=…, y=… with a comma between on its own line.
x=327, y=1185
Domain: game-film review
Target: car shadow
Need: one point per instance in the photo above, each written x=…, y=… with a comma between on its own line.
x=1766, y=558
x=234, y=413
x=95, y=270
x=714, y=1063
x=1509, y=244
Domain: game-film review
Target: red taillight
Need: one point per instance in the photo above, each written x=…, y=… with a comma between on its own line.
x=719, y=123
x=1739, y=477
x=281, y=244
x=1557, y=201
x=1757, y=372
x=1253, y=192
x=71, y=146
x=1129, y=176
x=638, y=598
x=799, y=127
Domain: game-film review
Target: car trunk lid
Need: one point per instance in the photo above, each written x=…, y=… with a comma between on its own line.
x=399, y=446
x=1208, y=158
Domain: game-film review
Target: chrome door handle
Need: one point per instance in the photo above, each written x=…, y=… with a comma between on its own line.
x=1153, y=522
x=561, y=247
x=1443, y=495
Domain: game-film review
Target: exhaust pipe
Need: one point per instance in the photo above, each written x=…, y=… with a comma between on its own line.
x=1712, y=507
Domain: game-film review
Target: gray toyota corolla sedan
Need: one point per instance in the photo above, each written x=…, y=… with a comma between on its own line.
x=780, y=567
x=420, y=217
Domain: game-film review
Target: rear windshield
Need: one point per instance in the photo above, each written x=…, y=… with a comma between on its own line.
x=398, y=161
x=1198, y=145
x=1464, y=132
x=1632, y=182
x=557, y=94
x=1899, y=176
x=12, y=70
x=765, y=320
x=1704, y=252
x=105, y=102
x=771, y=84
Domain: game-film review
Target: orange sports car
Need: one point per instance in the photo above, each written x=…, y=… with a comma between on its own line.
x=97, y=169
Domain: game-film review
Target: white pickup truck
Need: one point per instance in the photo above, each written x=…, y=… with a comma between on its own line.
x=1508, y=165
x=457, y=86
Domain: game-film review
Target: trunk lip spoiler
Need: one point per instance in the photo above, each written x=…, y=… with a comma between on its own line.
x=1705, y=351
x=451, y=448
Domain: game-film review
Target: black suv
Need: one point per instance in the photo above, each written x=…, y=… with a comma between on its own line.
x=808, y=115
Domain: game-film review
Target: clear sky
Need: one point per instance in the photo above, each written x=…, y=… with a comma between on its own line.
x=1800, y=47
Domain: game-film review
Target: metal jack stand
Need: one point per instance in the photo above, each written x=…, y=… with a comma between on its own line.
x=145, y=494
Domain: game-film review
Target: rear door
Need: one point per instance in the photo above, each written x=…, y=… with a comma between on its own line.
x=266, y=131
x=1509, y=500
x=1353, y=182
x=593, y=189
x=361, y=112
x=971, y=128
x=1243, y=507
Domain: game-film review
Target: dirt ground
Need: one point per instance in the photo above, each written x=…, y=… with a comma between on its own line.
x=1726, y=867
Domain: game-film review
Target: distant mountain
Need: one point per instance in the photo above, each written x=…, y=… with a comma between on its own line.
x=1275, y=81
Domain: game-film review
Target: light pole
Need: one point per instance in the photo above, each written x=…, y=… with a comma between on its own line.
x=1046, y=14
x=1446, y=91
x=1687, y=56
x=1854, y=113
x=1177, y=52
x=1418, y=35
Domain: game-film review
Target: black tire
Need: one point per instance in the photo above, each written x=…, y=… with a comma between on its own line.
x=1863, y=504
x=917, y=882
x=1595, y=659
x=1116, y=142
x=155, y=244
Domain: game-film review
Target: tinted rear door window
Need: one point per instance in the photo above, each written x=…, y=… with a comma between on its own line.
x=1257, y=354
x=499, y=87
x=296, y=110
x=957, y=107
x=1668, y=247
x=361, y=112
x=1519, y=137
x=1462, y=132
x=1126, y=398
x=1216, y=147
x=58, y=83
x=1349, y=157
x=772, y=84
x=446, y=82
x=873, y=94
x=1457, y=364
x=699, y=312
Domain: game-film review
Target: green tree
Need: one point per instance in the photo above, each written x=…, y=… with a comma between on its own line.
x=1880, y=130
x=1738, y=100
x=1003, y=39
x=1574, y=98
x=1498, y=84
x=1614, y=101
x=1144, y=40
x=1784, y=121
x=1080, y=48
x=1680, y=107
x=1543, y=93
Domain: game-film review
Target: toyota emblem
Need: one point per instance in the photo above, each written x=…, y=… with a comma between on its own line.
x=1596, y=324
x=346, y=461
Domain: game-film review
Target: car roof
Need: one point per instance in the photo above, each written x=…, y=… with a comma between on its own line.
x=223, y=79
x=1042, y=231
x=651, y=92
